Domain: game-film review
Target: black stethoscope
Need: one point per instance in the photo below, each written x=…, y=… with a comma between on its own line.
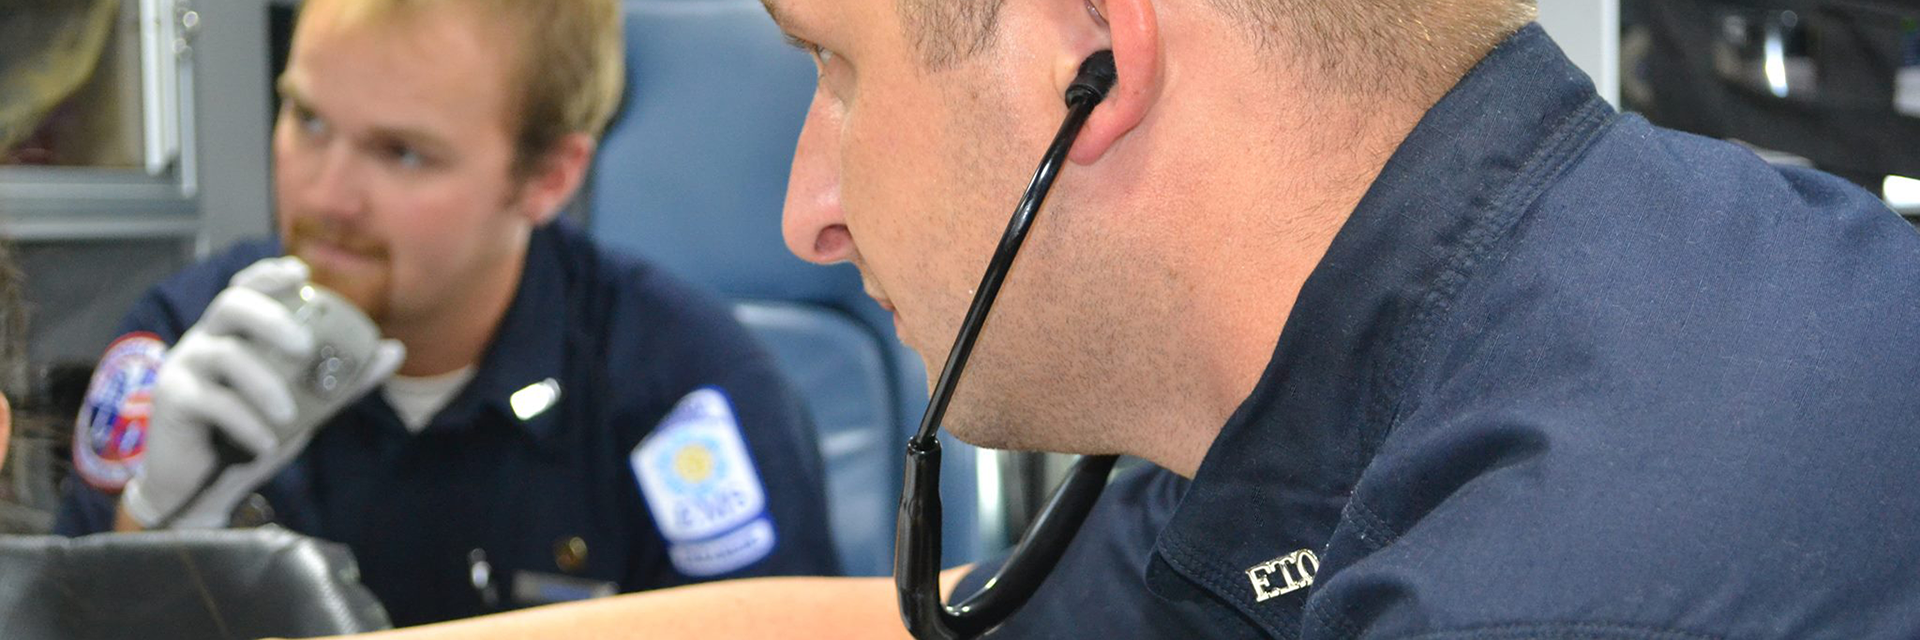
x=916, y=560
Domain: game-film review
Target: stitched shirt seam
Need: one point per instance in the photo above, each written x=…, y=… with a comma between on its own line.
x=1582, y=630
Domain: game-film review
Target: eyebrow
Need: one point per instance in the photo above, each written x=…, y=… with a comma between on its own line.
x=422, y=138
x=786, y=27
x=284, y=86
x=774, y=12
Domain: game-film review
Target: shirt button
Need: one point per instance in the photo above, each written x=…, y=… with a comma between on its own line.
x=570, y=554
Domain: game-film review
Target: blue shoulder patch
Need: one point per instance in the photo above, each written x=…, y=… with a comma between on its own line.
x=702, y=488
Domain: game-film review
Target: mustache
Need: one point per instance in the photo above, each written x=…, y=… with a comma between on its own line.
x=306, y=230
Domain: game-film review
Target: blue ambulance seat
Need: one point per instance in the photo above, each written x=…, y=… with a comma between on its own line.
x=692, y=176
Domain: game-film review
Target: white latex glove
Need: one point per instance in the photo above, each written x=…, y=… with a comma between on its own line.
x=220, y=379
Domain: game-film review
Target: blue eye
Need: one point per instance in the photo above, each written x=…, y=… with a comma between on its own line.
x=407, y=157
x=309, y=123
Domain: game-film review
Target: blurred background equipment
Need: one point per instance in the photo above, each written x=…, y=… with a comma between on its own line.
x=49, y=51
x=1830, y=83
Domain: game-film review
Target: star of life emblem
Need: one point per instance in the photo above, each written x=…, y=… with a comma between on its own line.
x=702, y=487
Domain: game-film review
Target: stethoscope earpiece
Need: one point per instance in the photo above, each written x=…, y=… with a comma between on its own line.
x=1095, y=78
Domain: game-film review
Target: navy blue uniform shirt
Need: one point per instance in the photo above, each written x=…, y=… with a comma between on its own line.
x=1562, y=374
x=625, y=345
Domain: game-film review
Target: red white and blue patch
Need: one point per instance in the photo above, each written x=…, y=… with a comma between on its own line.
x=111, y=433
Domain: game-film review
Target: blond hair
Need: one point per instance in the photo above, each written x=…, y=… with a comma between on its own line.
x=570, y=71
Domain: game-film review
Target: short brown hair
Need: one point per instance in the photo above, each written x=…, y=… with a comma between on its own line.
x=571, y=70
x=1347, y=39
x=948, y=31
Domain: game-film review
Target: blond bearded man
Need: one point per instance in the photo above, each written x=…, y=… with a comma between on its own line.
x=564, y=422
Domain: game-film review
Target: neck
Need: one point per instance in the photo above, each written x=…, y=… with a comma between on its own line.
x=1248, y=235
x=456, y=334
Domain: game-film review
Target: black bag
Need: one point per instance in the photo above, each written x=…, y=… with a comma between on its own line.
x=243, y=583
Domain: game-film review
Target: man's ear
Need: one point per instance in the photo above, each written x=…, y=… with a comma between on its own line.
x=557, y=177
x=1134, y=34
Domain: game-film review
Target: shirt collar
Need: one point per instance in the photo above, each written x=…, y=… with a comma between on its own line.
x=1278, y=477
x=528, y=348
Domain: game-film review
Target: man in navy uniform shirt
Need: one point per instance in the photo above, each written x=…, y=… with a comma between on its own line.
x=565, y=422
x=1421, y=337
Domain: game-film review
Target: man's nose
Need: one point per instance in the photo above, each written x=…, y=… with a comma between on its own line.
x=814, y=225
x=333, y=185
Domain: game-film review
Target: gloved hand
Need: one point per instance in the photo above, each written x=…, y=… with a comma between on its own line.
x=222, y=379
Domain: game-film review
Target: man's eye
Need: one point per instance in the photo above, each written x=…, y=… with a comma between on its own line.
x=309, y=123
x=406, y=157
x=821, y=55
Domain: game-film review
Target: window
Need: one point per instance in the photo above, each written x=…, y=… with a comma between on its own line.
x=95, y=131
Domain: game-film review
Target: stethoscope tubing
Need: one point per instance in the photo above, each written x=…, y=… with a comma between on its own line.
x=917, y=537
